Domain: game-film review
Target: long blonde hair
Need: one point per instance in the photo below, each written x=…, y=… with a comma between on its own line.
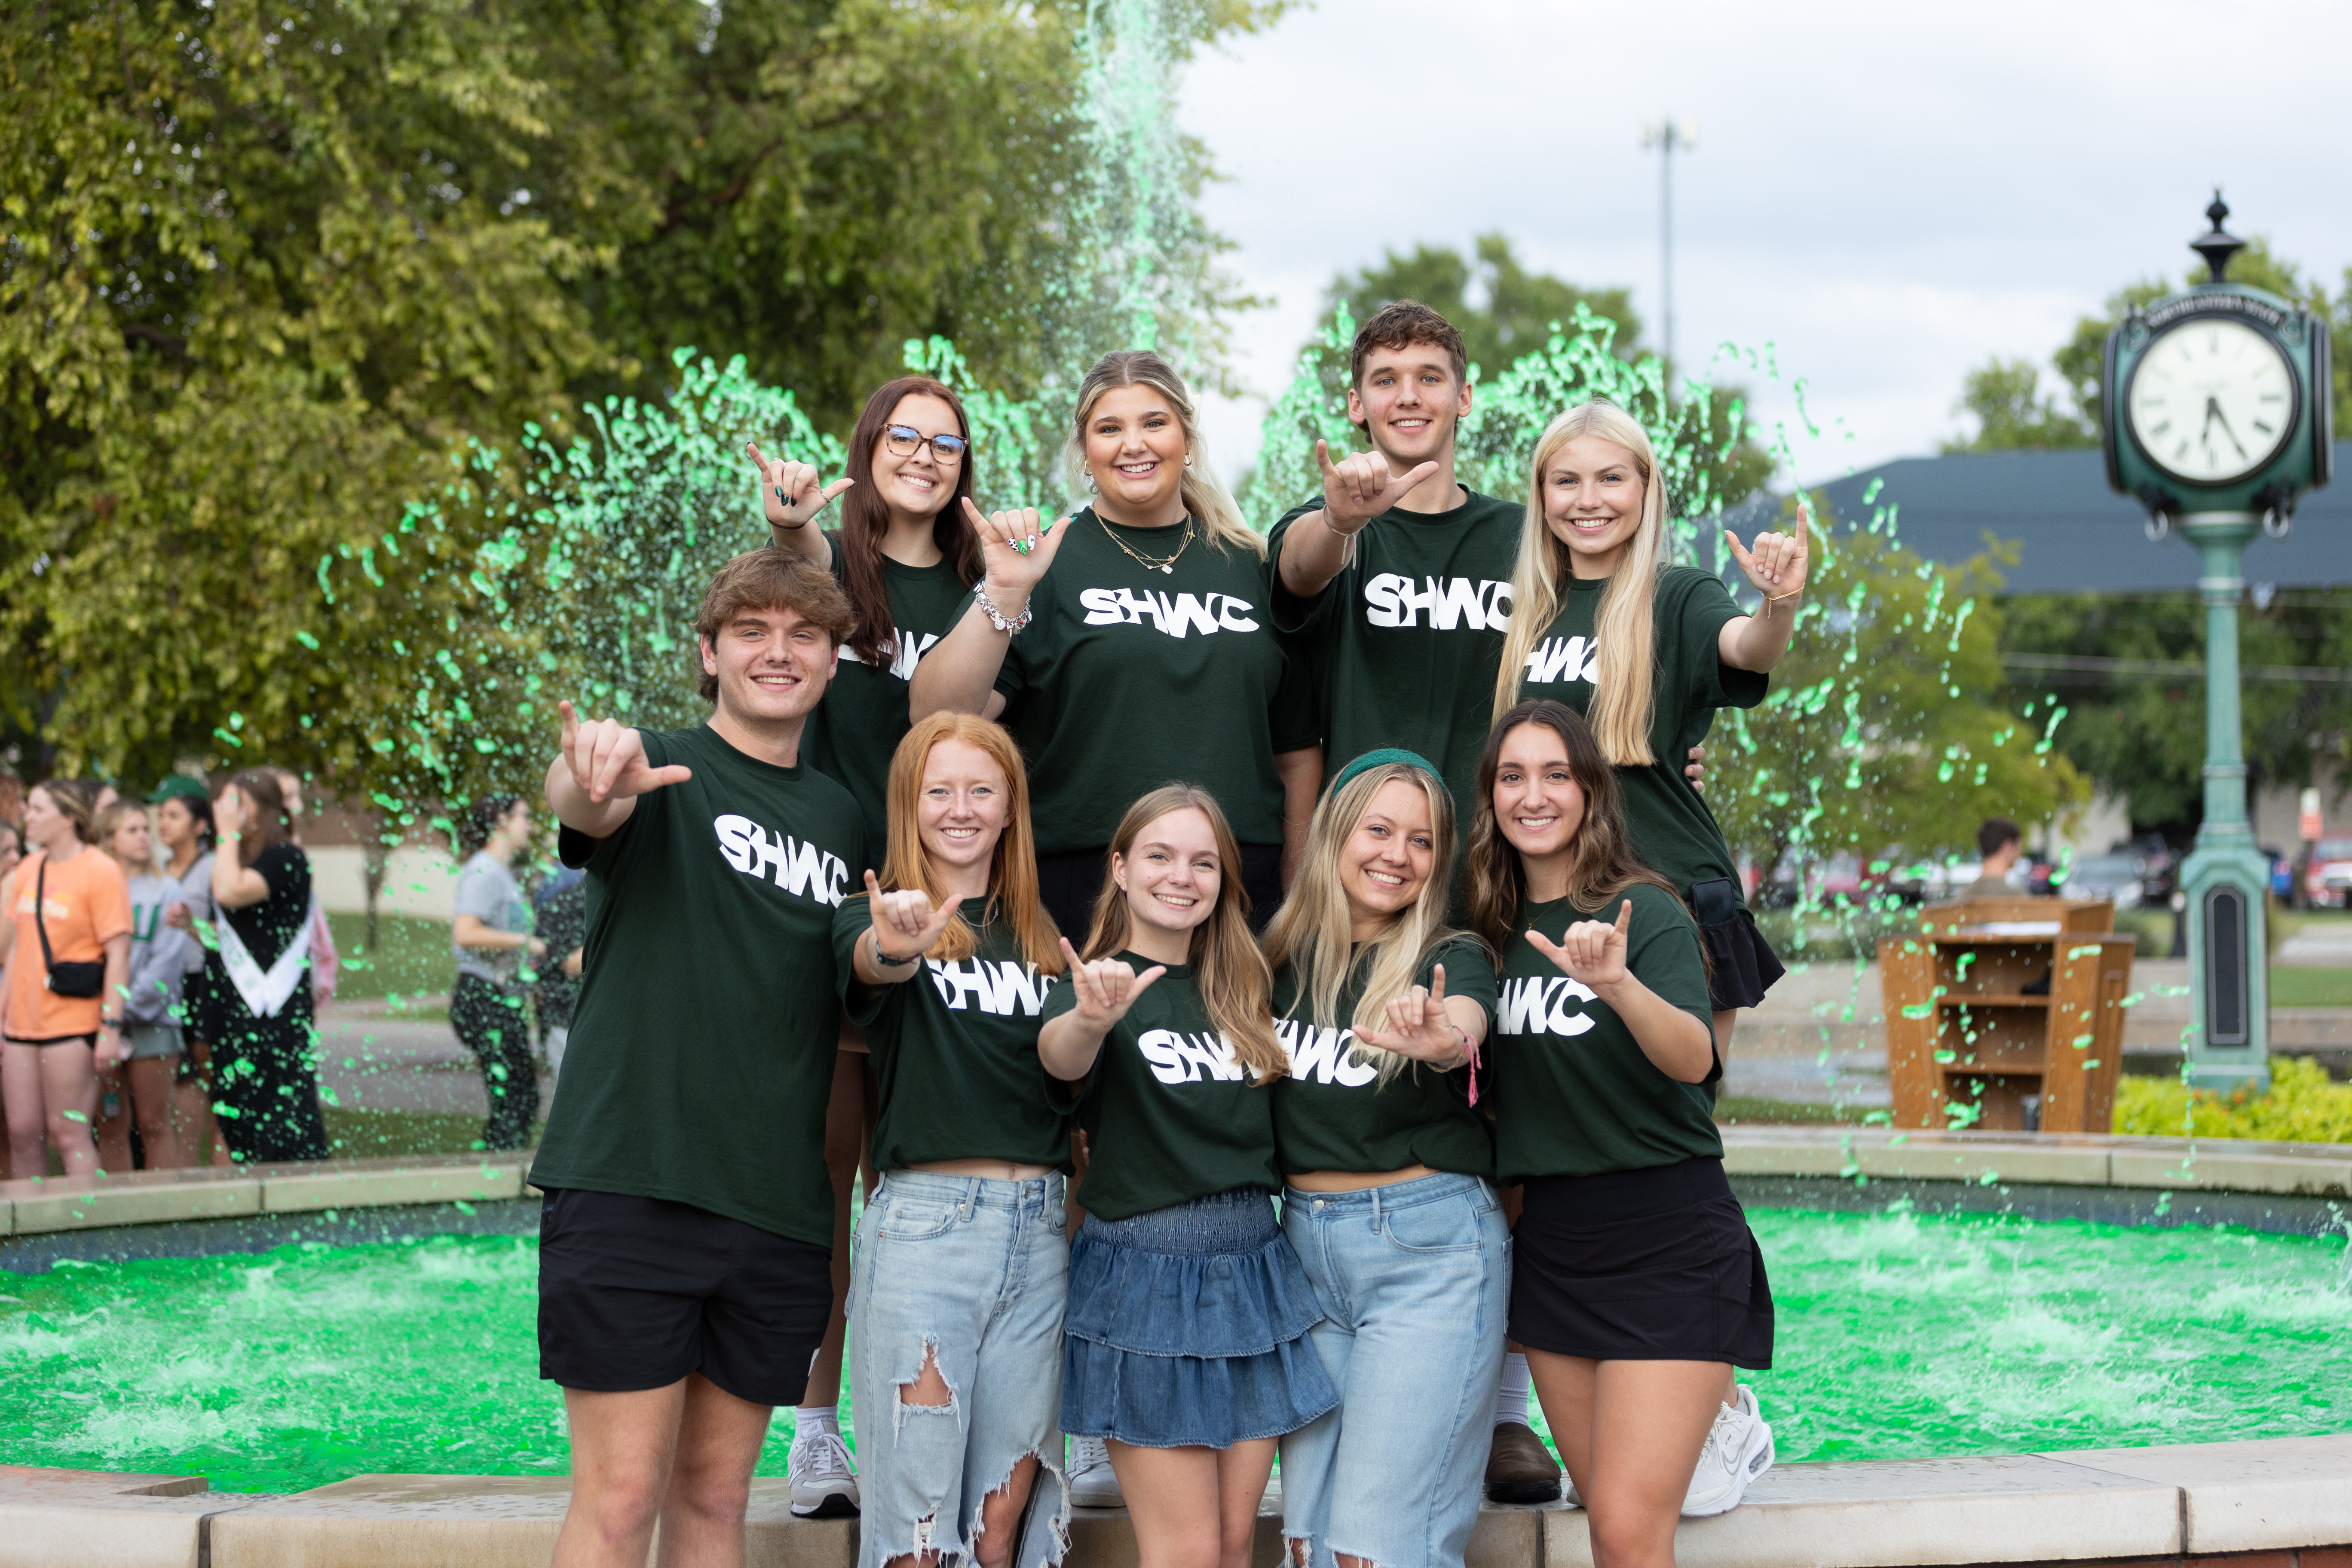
x=1624, y=697
x=1311, y=929
x=1206, y=498
x=1012, y=872
x=1237, y=987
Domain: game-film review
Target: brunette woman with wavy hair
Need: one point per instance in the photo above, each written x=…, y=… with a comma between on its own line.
x=947, y=960
x=907, y=557
x=1637, y=1285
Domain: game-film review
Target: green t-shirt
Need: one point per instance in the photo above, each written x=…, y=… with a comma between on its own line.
x=1672, y=831
x=1408, y=637
x=1131, y=678
x=1574, y=1096
x=1169, y=1115
x=955, y=1047
x=702, y=1047
x=1334, y=1114
x=854, y=731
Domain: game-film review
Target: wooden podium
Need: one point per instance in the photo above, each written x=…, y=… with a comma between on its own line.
x=2008, y=1009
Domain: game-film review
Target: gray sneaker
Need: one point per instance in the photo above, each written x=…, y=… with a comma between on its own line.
x=824, y=1484
x=1093, y=1483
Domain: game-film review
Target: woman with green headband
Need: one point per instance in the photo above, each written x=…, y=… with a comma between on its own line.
x=1391, y=1204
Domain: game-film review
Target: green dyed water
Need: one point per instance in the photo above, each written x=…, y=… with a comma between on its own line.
x=1899, y=1336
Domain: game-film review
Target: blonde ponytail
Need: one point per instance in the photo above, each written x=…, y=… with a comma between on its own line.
x=1624, y=697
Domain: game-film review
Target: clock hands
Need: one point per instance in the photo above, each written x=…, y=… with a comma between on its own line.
x=2213, y=412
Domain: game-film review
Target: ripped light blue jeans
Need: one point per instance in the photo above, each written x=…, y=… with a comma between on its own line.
x=1414, y=1280
x=973, y=1274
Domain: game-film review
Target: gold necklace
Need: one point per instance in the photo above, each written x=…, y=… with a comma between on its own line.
x=1145, y=561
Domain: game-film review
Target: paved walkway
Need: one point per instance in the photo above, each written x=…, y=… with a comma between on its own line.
x=377, y=1062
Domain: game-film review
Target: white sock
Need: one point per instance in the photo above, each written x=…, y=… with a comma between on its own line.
x=1511, y=1391
x=809, y=1420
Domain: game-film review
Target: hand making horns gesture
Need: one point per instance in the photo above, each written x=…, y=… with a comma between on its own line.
x=1015, y=550
x=1105, y=989
x=1418, y=1027
x=1775, y=564
x=1358, y=488
x=607, y=759
x=790, y=491
x=1590, y=952
x=905, y=924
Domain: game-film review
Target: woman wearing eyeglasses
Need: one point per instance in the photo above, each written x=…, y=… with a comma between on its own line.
x=908, y=558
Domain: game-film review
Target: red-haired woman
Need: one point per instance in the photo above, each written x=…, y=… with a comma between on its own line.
x=907, y=560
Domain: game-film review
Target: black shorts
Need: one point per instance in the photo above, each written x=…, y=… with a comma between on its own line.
x=1068, y=884
x=634, y=1293
x=1655, y=1265
x=1740, y=964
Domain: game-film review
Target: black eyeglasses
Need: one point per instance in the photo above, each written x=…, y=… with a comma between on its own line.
x=905, y=441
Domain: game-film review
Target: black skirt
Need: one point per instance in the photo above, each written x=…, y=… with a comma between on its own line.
x=1741, y=965
x=1655, y=1265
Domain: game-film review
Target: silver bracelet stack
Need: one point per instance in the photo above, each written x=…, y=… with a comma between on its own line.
x=1008, y=626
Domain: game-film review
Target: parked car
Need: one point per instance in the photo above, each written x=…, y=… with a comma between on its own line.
x=2282, y=873
x=2328, y=879
x=2117, y=878
x=2159, y=868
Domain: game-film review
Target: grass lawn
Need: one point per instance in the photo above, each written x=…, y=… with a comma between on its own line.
x=2311, y=987
x=370, y=1134
x=411, y=958
x=1737, y=1110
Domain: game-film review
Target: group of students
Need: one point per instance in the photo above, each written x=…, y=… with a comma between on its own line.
x=1435, y=941
x=164, y=957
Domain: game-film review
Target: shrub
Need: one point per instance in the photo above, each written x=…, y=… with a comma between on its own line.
x=2302, y=1107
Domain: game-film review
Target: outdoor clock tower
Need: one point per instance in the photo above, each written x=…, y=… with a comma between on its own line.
x=2215, y=408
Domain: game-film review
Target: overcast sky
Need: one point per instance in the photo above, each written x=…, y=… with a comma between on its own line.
x=1887, y=194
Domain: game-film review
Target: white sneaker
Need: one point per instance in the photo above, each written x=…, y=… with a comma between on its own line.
x=1093, y=1483
x=824, y=1484
x=1739, y=1449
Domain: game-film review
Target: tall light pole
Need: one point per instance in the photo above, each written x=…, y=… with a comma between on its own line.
x=1669, y=136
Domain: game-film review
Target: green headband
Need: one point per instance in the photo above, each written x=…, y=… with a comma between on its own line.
x=1382, y=759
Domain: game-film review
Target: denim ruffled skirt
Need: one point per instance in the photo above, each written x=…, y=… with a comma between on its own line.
x=1187, y=1327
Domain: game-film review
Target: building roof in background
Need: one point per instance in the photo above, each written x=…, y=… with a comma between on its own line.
x=2075, y=534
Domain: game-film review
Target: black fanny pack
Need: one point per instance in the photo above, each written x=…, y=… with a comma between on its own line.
x=69, y=979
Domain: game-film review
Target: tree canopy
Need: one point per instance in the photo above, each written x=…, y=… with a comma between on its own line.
x=267, y=272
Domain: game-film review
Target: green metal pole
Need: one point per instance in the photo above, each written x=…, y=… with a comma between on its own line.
x=2226, y=878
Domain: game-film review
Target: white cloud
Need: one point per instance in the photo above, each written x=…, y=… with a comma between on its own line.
x=1885, y=195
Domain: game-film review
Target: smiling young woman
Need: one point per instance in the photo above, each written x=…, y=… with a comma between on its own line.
x=1647, y=651
x=1186, y=1345
x=1391, y=1204
x=1637, y=1285
x=947, y=960
x=1092, y=637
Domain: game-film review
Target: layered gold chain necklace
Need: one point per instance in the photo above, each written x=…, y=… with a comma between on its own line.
x=1145, y=561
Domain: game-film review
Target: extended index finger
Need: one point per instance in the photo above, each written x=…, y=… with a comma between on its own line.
x=1323, y=456
x=1624, y=916
x=1437, y=987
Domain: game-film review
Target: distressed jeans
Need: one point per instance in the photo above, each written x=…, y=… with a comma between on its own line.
x=973, y=1274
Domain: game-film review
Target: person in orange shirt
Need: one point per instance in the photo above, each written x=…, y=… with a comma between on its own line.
x=72, y=923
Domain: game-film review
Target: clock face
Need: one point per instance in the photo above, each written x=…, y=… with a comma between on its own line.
x=2212, y=400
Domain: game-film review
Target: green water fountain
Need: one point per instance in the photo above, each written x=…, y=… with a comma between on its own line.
x=2217, y=404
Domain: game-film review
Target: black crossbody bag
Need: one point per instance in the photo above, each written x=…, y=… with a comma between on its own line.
x=72, y=979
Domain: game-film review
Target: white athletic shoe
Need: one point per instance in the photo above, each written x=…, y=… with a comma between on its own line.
x=824, y=1484
x=1739, y=1449
x=1093, y=1483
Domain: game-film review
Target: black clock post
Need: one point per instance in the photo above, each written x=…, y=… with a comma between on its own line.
x=2216, y=409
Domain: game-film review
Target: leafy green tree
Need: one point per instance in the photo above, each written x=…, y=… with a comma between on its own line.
x=1517, y=311
x=1884, y=726
x=2004, y=398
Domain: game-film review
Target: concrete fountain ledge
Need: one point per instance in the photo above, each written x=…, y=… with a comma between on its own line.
x=2281, y=1503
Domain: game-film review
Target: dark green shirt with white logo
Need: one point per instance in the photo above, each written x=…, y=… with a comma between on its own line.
x=1407, y=638
x=1169, y=1115
x=1332, y=1113
x=1131, y=678
x=955, y=1049
x=702, y=1047
x=1671, y=829
x=1574, y=1095
x=855, y=730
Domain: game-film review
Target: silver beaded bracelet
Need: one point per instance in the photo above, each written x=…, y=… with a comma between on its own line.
x=979, y=593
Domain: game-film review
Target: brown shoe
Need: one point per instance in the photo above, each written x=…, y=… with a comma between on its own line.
x=1520, y=1468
